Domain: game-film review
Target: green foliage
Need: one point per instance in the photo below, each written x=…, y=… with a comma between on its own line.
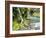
x=15, y=25
x=20, y=17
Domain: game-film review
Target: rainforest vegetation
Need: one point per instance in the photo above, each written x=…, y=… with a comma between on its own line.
x=22, y=17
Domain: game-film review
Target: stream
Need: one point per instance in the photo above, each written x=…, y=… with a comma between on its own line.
x=34, y=25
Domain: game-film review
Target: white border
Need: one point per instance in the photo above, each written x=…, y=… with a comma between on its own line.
x=26, y=31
